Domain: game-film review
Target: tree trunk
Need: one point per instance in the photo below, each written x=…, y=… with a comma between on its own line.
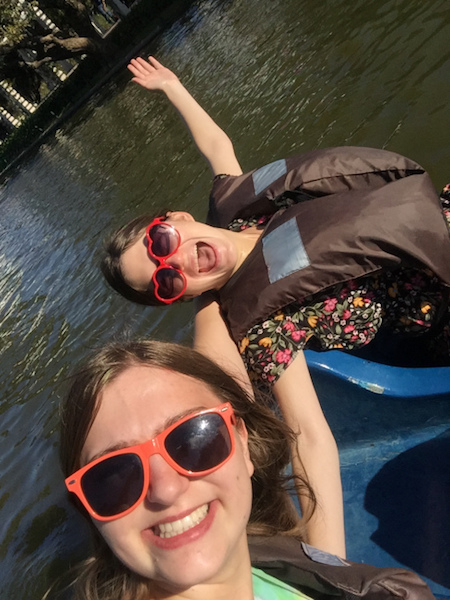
x=70, y=15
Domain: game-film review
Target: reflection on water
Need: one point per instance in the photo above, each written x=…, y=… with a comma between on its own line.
x=279, y=77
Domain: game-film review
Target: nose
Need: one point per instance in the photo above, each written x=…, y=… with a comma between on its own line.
x=176, y=260
x=166, y=484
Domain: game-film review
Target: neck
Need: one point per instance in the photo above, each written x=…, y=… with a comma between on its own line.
x=234, y=582
x=245, y=242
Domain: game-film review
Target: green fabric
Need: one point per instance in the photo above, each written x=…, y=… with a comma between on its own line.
x=266, y=587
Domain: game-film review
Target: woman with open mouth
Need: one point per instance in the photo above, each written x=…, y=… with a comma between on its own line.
x=322, y=250
x=173, y=464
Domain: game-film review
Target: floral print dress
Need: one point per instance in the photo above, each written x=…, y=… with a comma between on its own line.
x=348, y=315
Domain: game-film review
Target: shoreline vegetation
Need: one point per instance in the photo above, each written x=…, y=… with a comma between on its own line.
x=144, y=23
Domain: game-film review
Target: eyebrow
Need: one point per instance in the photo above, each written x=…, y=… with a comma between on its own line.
x=128, y=444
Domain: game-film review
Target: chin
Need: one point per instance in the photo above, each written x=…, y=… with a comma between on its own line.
x=188, y=574
x=178, y=570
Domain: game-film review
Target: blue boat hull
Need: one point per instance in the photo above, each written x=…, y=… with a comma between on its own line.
x=403, y=382
x=392, y=426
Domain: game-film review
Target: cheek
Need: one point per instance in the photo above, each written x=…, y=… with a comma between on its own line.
x=111, y=532
x=123, y=541
x=240, y=490
x=243, y=501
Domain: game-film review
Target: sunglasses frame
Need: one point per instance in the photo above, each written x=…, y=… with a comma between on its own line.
x=147, y=449
x=162, y=259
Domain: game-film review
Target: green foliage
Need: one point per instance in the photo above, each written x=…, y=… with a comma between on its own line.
x=14, y=19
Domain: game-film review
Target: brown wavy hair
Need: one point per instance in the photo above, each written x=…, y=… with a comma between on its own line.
x=103, y=576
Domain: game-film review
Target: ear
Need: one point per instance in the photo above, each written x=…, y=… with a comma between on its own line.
x=242, y=439
x=179, y=215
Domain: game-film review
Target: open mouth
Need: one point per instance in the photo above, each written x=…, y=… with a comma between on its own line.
x=206, y=257
x=168, y=530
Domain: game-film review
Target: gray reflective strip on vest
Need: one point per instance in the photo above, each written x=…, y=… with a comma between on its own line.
x=320, y=556
x=266, y=175
x=284, y=252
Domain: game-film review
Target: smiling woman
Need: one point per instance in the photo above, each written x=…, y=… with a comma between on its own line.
x=173, y=464
x=174, y=532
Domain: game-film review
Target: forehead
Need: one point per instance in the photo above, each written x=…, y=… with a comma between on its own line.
x=136, y=264
x=139, y=403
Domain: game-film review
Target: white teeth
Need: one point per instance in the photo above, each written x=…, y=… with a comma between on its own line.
x=167, y=530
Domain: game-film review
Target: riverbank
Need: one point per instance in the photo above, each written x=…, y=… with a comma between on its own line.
x=137, y=29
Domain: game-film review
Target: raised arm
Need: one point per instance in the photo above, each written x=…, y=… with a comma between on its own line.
x=315, y=456
x=211, y=140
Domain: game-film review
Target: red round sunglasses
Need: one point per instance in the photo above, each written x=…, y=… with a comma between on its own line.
x=163, y=240
x=113, y=485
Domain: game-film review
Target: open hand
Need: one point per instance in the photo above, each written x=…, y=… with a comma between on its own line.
x=150, y=74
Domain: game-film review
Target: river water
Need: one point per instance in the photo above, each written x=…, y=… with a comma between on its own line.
x=280, y=78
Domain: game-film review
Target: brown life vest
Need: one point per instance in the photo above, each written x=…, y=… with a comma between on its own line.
x=324, y=576
x=360, y=210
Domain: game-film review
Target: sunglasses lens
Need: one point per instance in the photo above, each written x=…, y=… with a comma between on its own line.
x=114, y=485
x=170, y=283
x=165, y=240
x=199, y=444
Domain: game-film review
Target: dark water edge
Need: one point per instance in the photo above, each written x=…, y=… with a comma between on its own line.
x=148, y=19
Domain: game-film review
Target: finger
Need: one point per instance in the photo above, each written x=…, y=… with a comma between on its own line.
x=145, y=66
x=134, y=64
x=141, y=66
x=139, y=62
x=133, y=69
x=135, y=61
x=152, y=60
